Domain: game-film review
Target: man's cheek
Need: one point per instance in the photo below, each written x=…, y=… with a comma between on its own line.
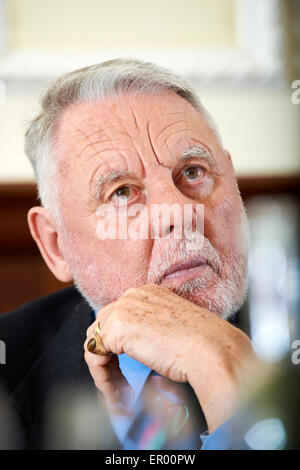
x=221, y=225
x=224, y=210
x=127, y=261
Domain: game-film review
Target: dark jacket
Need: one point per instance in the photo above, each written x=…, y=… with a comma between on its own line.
x=46, y=380
x=45, y=365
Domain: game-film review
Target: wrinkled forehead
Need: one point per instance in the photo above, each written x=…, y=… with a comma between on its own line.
x=131, y=107
x=131, y=119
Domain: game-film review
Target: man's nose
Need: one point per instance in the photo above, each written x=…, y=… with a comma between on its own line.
x=171, y=212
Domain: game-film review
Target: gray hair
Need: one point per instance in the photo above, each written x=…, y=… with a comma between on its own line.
x=93, y=83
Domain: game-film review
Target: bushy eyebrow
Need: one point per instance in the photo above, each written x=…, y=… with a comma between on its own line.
x=114, y=176
x=200, y=152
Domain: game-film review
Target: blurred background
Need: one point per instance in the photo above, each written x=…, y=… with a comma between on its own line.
x=243, y=57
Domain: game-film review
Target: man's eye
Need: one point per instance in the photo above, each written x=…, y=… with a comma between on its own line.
x=122, y=193
x=194, y=172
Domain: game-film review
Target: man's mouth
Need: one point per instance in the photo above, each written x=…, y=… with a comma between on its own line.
x=185, y=271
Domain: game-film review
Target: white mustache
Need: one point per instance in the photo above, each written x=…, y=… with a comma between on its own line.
x=180, y=252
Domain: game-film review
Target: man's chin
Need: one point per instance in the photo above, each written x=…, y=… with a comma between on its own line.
x=211, y=296
x=198, y=296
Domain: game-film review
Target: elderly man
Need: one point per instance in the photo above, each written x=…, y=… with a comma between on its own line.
x=115, y=135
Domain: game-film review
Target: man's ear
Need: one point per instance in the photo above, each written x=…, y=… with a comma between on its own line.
x=43, y=229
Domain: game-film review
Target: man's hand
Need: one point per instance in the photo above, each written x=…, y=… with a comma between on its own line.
x=177, y=339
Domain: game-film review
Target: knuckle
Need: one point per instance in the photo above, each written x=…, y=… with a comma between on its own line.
x=118, y=320
x=118, y=315
x=130, y=291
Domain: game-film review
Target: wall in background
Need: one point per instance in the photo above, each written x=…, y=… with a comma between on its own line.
x=95, y=24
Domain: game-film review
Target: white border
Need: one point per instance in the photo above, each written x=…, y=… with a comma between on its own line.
x=256, y=61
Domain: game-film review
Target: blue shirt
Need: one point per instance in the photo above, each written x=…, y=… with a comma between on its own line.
x=136, y=375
